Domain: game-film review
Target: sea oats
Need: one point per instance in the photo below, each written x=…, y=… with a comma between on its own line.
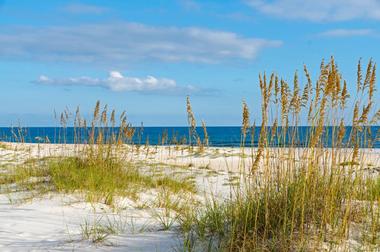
x=376, y=117
x=77, y=114
x=309, y=114
x=284, y=102
x=205, y=134
x=307, y=89
x=96, y=111
x=305, y=96
x=368, y=75
x=99, y=139
x=372, y=83
x=364, y=116
x=276, y=89
x=295, y=102
x=104, y=115
x=359, y=77
x=338, y=90
x=122, y=115
x=112, y=119
x=342, y=132
x=318, y=90
x=271, y=86
x=323, y=77
x=345, y=95
x=355, y=125
x=191, y=121
x=245, y=120
x=309, y=82
x=63, y=120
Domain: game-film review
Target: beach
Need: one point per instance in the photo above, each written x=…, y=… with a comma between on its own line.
x=54, y=221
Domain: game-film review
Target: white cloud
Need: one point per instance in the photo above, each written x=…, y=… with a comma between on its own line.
x=117, y=82
x=319, y=11
x=347, y=33
x=190, y=4
x=121, y=43
x=84, y=9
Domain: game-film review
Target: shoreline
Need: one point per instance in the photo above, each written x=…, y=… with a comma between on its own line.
x=217, y=158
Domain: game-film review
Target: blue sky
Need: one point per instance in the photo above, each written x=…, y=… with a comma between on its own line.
x=146, y=56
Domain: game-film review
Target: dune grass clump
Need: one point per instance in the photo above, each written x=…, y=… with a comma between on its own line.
x=301, y=199
x=100, y=180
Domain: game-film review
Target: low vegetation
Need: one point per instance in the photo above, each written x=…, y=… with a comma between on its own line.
x=101, y=181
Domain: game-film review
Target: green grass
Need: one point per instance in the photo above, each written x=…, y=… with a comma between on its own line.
x=370, y=190
x=100, y=179
x=99, y=230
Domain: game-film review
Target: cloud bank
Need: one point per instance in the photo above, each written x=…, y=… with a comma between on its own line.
x=319, y=11
x=127, y=42
x=190, y=5
x=347, y=33
x=117, y=82
x=84, y=9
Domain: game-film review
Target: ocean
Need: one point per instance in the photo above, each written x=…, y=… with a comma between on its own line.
x=218, y=136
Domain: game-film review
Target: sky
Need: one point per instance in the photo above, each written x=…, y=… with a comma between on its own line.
x=145, y=57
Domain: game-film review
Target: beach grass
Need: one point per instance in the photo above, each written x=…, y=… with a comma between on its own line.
x=305, y=201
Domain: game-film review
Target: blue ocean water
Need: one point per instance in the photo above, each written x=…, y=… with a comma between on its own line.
x=218, y=136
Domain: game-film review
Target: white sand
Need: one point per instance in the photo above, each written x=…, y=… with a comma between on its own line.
x=50, y=224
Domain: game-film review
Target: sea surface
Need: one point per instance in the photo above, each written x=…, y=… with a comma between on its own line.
x=218, y=136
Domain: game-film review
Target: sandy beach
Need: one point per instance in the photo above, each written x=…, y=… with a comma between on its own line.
x=53, y=221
